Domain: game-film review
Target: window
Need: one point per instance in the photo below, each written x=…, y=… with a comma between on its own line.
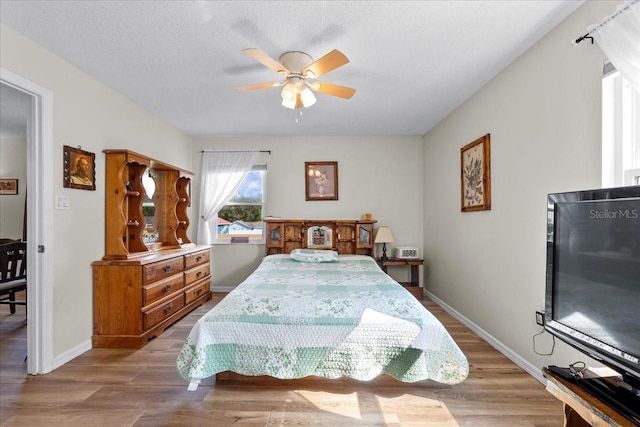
x=620, y=130
x=240, y=220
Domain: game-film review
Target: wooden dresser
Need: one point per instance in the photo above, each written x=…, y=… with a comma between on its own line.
x=135, y=300
x=142, y=286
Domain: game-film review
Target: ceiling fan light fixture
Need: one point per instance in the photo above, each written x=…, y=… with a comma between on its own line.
x=296, y=94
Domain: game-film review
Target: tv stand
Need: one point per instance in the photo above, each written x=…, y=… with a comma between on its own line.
x=591, y=401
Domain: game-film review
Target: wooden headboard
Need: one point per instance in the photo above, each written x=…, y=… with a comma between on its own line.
x=344, y=236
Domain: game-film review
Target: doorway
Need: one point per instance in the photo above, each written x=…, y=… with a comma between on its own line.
x=39, y=208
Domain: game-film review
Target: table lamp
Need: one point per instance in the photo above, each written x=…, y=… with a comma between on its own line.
x=384, y=236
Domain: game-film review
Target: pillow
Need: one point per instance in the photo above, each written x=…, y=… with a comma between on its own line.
x=314, y=255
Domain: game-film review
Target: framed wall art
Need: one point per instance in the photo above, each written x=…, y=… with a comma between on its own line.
x=475, y=175
x=8, y=186
x=79, y=168
x=321, y=180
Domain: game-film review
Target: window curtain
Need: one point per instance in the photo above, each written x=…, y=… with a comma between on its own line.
x=619, y=39
x=221, y=175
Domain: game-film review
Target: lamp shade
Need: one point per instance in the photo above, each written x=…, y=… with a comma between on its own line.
x=289, y=103
x=307, y=97
x=384, y=235
x=288, y=92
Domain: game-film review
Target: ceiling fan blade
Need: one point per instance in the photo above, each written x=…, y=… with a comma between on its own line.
x=329, y=62
x=258, y=86
x=265, y=60
x=334, y=90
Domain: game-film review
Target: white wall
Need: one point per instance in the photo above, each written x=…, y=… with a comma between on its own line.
x=379, y=175
x=13, y=164
x=543, y=113
x=88, y=114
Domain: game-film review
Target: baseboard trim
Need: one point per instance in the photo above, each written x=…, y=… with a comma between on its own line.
x=531, y=369
x=71, y=354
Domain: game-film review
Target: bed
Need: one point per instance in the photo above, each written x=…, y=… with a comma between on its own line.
x=297, y=318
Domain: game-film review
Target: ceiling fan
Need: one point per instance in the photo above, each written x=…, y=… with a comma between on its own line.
x=298, y=69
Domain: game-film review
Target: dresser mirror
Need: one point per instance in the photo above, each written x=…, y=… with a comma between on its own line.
x=150, y=233
x=320, y=237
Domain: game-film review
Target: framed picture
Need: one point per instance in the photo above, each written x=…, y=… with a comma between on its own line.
x=475, y=175
x=79, y=169
x=321, y=180
x=9, y=186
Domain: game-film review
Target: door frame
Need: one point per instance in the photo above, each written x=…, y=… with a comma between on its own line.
x=39, y=222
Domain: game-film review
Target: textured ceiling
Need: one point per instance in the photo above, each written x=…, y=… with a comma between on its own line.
x=412, y=62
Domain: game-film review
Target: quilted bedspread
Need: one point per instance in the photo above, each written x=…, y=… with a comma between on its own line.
x=292, y=319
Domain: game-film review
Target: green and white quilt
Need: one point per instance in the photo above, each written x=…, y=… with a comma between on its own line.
x=292, y=319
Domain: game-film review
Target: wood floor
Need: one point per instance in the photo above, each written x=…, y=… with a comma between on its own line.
x=107, y=387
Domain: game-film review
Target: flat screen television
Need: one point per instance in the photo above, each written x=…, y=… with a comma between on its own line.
x=592, y=299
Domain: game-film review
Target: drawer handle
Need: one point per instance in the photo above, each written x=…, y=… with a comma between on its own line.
x=199, y=291
x=199, y=273
x=167, y=309
x=166, y=268
x=166, y=288
x=199, y=257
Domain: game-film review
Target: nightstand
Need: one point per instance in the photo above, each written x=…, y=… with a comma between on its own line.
x=413, y=285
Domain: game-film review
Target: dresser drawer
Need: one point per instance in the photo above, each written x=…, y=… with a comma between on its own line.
x=161, y=312
x=161, y=288
x=196, y=258
x=196, y=274
x=196, y=292
x=160, y=269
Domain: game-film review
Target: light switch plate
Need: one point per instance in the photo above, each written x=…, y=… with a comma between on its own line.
x=62, y=202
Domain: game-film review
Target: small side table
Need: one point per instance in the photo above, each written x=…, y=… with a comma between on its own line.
x=413, y=285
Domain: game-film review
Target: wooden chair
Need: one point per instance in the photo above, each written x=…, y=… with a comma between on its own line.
x=13, y=273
